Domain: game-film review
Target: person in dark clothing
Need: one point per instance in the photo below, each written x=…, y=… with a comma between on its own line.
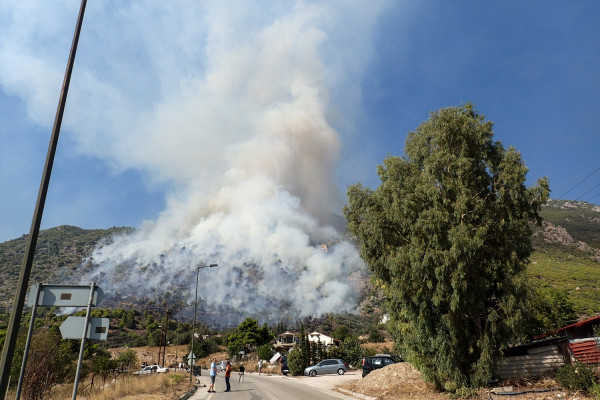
x=241, y=374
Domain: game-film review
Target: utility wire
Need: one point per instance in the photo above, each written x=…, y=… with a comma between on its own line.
x=593, y=197
x=578, y=183
x=581, y=197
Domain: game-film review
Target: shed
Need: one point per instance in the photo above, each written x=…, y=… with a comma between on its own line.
x=583, y=346
x=534, y=359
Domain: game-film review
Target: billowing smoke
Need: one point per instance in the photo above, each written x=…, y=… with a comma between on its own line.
x=234, y=111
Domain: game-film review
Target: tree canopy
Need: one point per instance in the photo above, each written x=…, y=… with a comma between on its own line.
x=248, y=335
x=447, y=237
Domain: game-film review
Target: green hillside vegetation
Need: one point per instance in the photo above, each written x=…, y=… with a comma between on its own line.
x=580, y=219
x=59, y=252
x=578, y=275
x=567, y=255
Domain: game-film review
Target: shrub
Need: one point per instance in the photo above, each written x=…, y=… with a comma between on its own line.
x=576, y=377
x=295, y=362
x=265, y=352
x=375, y=336
x=594, y=391
x=351, y=351
x=464, y=393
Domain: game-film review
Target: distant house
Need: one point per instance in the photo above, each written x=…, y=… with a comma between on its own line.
x=316, y=337
x=286, y=340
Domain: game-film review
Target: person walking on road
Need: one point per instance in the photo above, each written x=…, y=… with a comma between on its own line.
x=227, y=375
x=259, y=366
x=241, y=374
x=213, y=375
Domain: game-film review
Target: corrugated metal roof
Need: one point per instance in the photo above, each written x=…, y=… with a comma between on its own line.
x=581, y=323
x=586, y=351
x=595, y=319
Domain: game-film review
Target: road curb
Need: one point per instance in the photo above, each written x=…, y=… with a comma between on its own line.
x=189, y=394
x=354, y=394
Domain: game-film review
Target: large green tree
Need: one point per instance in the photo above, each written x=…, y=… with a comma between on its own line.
x=246, y=337
x=447, y=237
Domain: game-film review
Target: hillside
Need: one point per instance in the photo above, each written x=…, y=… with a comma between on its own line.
x=567, y=256
x=567, y=252
x=59, y=252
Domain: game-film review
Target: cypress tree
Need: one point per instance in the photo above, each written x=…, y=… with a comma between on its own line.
x=447, y=238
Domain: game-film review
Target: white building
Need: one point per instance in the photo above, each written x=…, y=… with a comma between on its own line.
x=316, y=337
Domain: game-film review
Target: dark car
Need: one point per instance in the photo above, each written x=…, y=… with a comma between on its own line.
x=378, y=361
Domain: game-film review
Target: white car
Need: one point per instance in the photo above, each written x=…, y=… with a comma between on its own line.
x=149, y=369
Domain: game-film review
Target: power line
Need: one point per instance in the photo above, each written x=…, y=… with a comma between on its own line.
x=579, y=183
x=581, y=197
x=593, y=197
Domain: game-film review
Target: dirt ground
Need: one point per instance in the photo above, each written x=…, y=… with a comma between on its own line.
x=403, y=382
x=394, y=382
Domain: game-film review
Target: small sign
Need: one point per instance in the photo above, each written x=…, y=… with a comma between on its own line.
x=65, y=296
x=191, y=358
x=72, y=328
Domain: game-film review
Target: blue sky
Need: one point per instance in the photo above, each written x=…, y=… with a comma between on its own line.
x=159, y=97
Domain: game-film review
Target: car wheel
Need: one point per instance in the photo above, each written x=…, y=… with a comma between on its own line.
x=341, y=371
x=313, y=373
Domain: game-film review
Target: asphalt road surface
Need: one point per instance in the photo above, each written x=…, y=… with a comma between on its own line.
x=261, y=387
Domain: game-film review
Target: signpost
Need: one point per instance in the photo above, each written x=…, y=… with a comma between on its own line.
x=191, y=358
x=64, y=296
x=74, y=327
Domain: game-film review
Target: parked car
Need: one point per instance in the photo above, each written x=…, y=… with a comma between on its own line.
x=151, y=369
x=378, y=361
x=221, y=366
x=329, y=366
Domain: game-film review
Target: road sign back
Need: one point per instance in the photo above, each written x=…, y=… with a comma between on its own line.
x=65, y=296
x=72, y=328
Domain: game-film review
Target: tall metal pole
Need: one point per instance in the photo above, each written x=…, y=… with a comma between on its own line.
x=15, y=316
x=194, y=323
x=165, y=342
x=159, y=344
x=176, y=345
x=83, y=339
x=192, y=354
x=28, y=342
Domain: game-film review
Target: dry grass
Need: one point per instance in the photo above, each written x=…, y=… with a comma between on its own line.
x=381, y=347
x=152, y=387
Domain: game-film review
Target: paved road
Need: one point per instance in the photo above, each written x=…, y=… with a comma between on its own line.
x=262, y=387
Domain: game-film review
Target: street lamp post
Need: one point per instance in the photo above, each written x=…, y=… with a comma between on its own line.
x=192, y=355
x=166, y=332
x=159, y=344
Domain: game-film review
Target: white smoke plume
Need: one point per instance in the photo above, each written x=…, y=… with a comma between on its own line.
x=234, y=111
